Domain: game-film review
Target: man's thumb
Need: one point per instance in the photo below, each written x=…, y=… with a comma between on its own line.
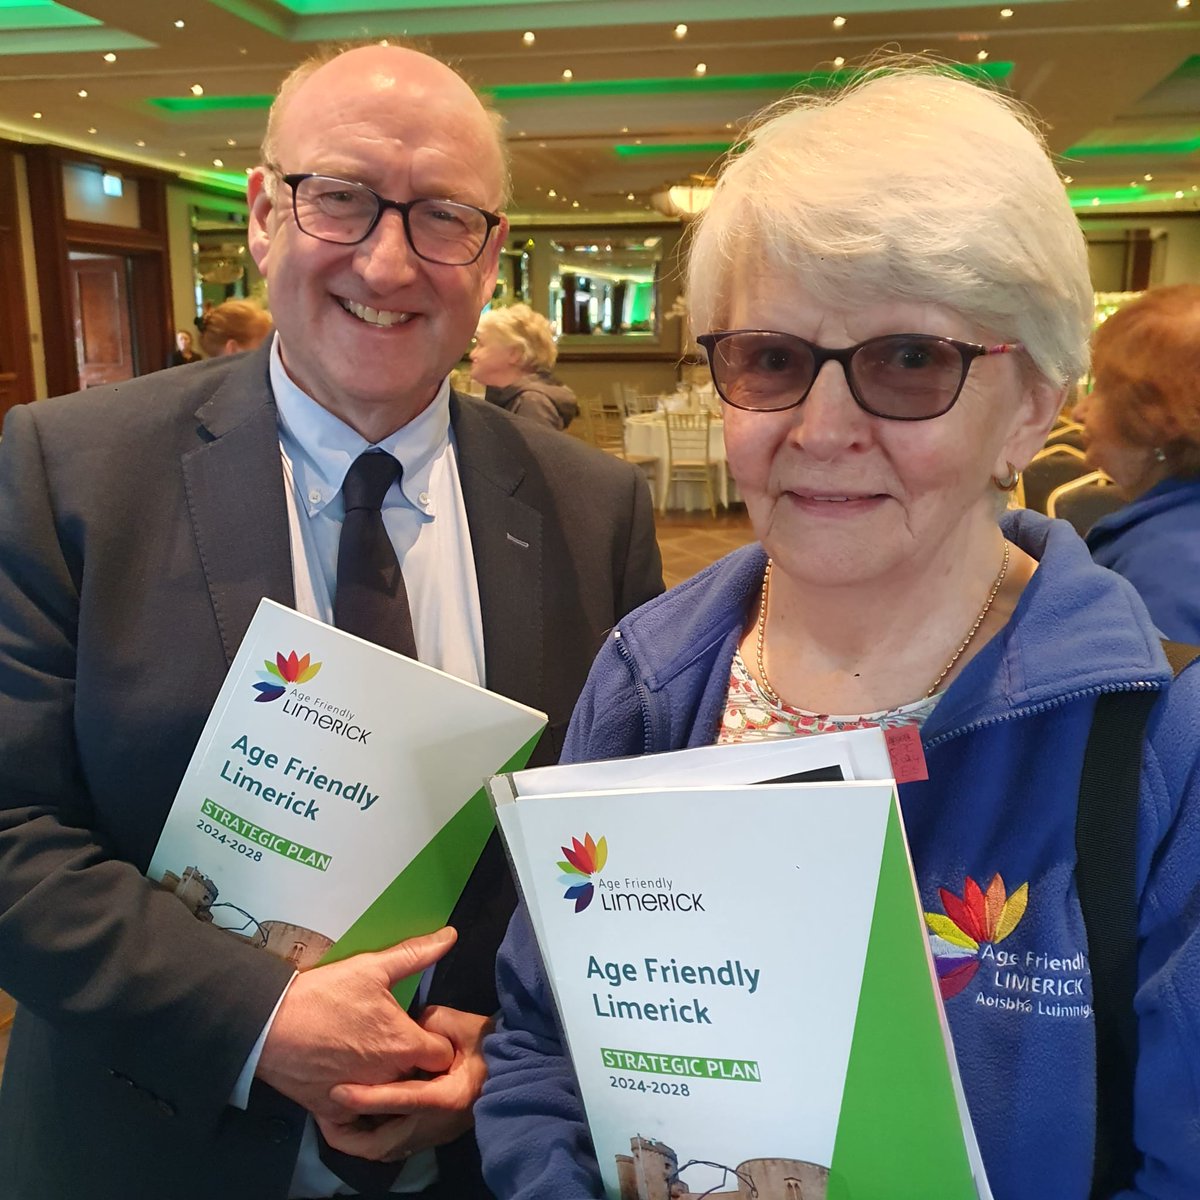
x=408, y=957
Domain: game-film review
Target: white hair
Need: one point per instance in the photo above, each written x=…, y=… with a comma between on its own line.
x=911, y=184
x=518, y=325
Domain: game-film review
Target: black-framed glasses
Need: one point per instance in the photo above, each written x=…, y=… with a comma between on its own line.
x=901, y=376
x=345, y=212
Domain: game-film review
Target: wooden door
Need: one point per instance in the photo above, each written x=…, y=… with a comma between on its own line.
x=100, y=304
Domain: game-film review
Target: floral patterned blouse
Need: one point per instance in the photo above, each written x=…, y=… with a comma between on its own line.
x=751, y=716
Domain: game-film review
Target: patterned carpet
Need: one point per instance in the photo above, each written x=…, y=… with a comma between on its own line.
x=688, y=541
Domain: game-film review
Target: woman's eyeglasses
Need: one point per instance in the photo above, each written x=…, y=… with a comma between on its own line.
x=902, y=376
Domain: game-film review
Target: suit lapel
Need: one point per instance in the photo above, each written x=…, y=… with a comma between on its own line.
x=235, y=496
x=506, y=539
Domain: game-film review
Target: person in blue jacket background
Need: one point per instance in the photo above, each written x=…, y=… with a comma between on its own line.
x=1141, y=424
x=896, y=298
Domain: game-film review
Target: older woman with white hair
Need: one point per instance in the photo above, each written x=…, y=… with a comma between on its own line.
x=893, y=294
x=513, y=356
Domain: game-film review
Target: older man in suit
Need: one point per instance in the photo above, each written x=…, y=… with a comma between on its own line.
x=139, y=527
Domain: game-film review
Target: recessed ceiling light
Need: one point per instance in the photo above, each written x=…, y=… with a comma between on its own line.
x=1095, y=201
x=1133, y=183
x=838, y=22
x=1178, y=195
x=1005, y=13
x=637, y=141
x=529, y=37
x=183, y=154
x=1148, y=178
x=37, y=116
x=702, y=68
x=574, y=203
x=680, y=31
x=180, y=24
x=82, y=93
x=628, y=195
x=243, y=50
x=218, y=162
x=521, y=133
x=552, y=194
x=231, y=141
x=1068, y=179
x=1183, y=3
x=568, y=73
x=91, y=129
x=624, y=128
x=839, y=61
x=197, y=90
x=728, y=124
x=110, y=57
x=982, y=56
x=139, y=142
x=541, y=145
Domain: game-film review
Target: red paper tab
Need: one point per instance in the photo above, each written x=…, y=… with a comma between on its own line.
x=906, y=753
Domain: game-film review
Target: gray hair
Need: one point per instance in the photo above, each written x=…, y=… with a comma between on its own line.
x=518, y=325
x=910, y=184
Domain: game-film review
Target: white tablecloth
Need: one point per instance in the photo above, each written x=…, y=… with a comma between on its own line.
x=646, y=433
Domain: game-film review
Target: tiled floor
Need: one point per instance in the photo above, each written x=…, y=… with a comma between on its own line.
x=689, y=542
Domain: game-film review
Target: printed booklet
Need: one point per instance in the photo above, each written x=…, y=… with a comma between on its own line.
x=737, y=952
x=335, y=800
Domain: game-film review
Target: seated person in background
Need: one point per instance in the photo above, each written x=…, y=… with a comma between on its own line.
x=893, y=293
x=183, y=352
x=234, y=326
x=513, y=357
x=1142, y=427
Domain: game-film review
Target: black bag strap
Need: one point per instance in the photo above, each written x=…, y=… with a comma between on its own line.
x=1105, y=875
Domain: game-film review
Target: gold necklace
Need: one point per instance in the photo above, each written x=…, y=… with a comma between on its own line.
x=773, y=695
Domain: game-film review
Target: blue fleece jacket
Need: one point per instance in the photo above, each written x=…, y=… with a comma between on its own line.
x=1155, y=543
x=1004, y=748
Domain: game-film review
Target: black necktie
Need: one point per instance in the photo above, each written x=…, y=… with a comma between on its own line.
x=371, y=600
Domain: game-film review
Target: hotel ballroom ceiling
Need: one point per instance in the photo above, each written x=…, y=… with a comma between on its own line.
x=607, y=100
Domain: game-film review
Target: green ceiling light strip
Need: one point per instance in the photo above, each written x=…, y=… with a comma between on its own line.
x=1106, y=197
x=233, y=185
x=41, y=14
x=644, y=151
x=193, y=104
x=995, y=72
x=1182, y=147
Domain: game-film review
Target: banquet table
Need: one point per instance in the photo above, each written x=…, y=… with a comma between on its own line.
x=646, y=433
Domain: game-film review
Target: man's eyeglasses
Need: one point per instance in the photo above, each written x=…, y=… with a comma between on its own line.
x=439, y=231
x=902, y=376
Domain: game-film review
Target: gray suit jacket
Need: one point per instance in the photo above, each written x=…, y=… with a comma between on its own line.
x=140, y=524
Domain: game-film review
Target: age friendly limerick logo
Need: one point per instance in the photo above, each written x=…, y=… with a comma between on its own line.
x=274, y=680
x=584, y=859
x=971, y=921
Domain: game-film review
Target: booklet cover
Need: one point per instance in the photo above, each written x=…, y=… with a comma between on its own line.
x=745, y=986
x=334, y=802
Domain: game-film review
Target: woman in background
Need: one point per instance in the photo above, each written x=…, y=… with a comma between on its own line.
x=1142, y=428
x=893, y=293
x=183, y=352
x=234, y=326
x=513, y=356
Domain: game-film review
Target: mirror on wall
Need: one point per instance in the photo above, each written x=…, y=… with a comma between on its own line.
x=222, y=266
x=605, y=288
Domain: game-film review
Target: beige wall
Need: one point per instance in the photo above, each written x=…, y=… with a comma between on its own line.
x=37, y=350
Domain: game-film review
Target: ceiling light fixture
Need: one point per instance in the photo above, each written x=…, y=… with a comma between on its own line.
x=91, y=129
x=197, y=90
x=1148, y=178
x=1005, y=13
x=529, y=37
x=552, y=194
x=1178, y=195
x=1183, y=3
x=629, y=196
x=183, y=154
x=838, y=22
x=839, y=61
x=1095, y=201
x=574, y=203
x=982, y=56
x=680, y=32
x=231, y=141
x=685, y=200
x=180, y=24
x=110, y=57
x=702, y=68
x=140, y=143
x=82, y=93
x=218, y=162
x=568, y=73
x=37, y=116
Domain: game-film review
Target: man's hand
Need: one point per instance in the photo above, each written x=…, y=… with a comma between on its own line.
x=340, y=1022
x=398, y=1119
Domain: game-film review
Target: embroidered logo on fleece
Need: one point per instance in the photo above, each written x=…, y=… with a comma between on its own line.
x=584, y=859
x=971, y=921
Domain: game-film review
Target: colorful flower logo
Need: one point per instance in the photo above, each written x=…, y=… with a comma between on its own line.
x=972, y=919
x=274, y=680
x=584, y=859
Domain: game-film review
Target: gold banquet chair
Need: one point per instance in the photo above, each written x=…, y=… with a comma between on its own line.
x=1085, y=500
x=1051, y=467
x=604, y=427
x=688, y=457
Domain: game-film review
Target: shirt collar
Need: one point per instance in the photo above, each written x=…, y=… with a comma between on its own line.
x=322, y=446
